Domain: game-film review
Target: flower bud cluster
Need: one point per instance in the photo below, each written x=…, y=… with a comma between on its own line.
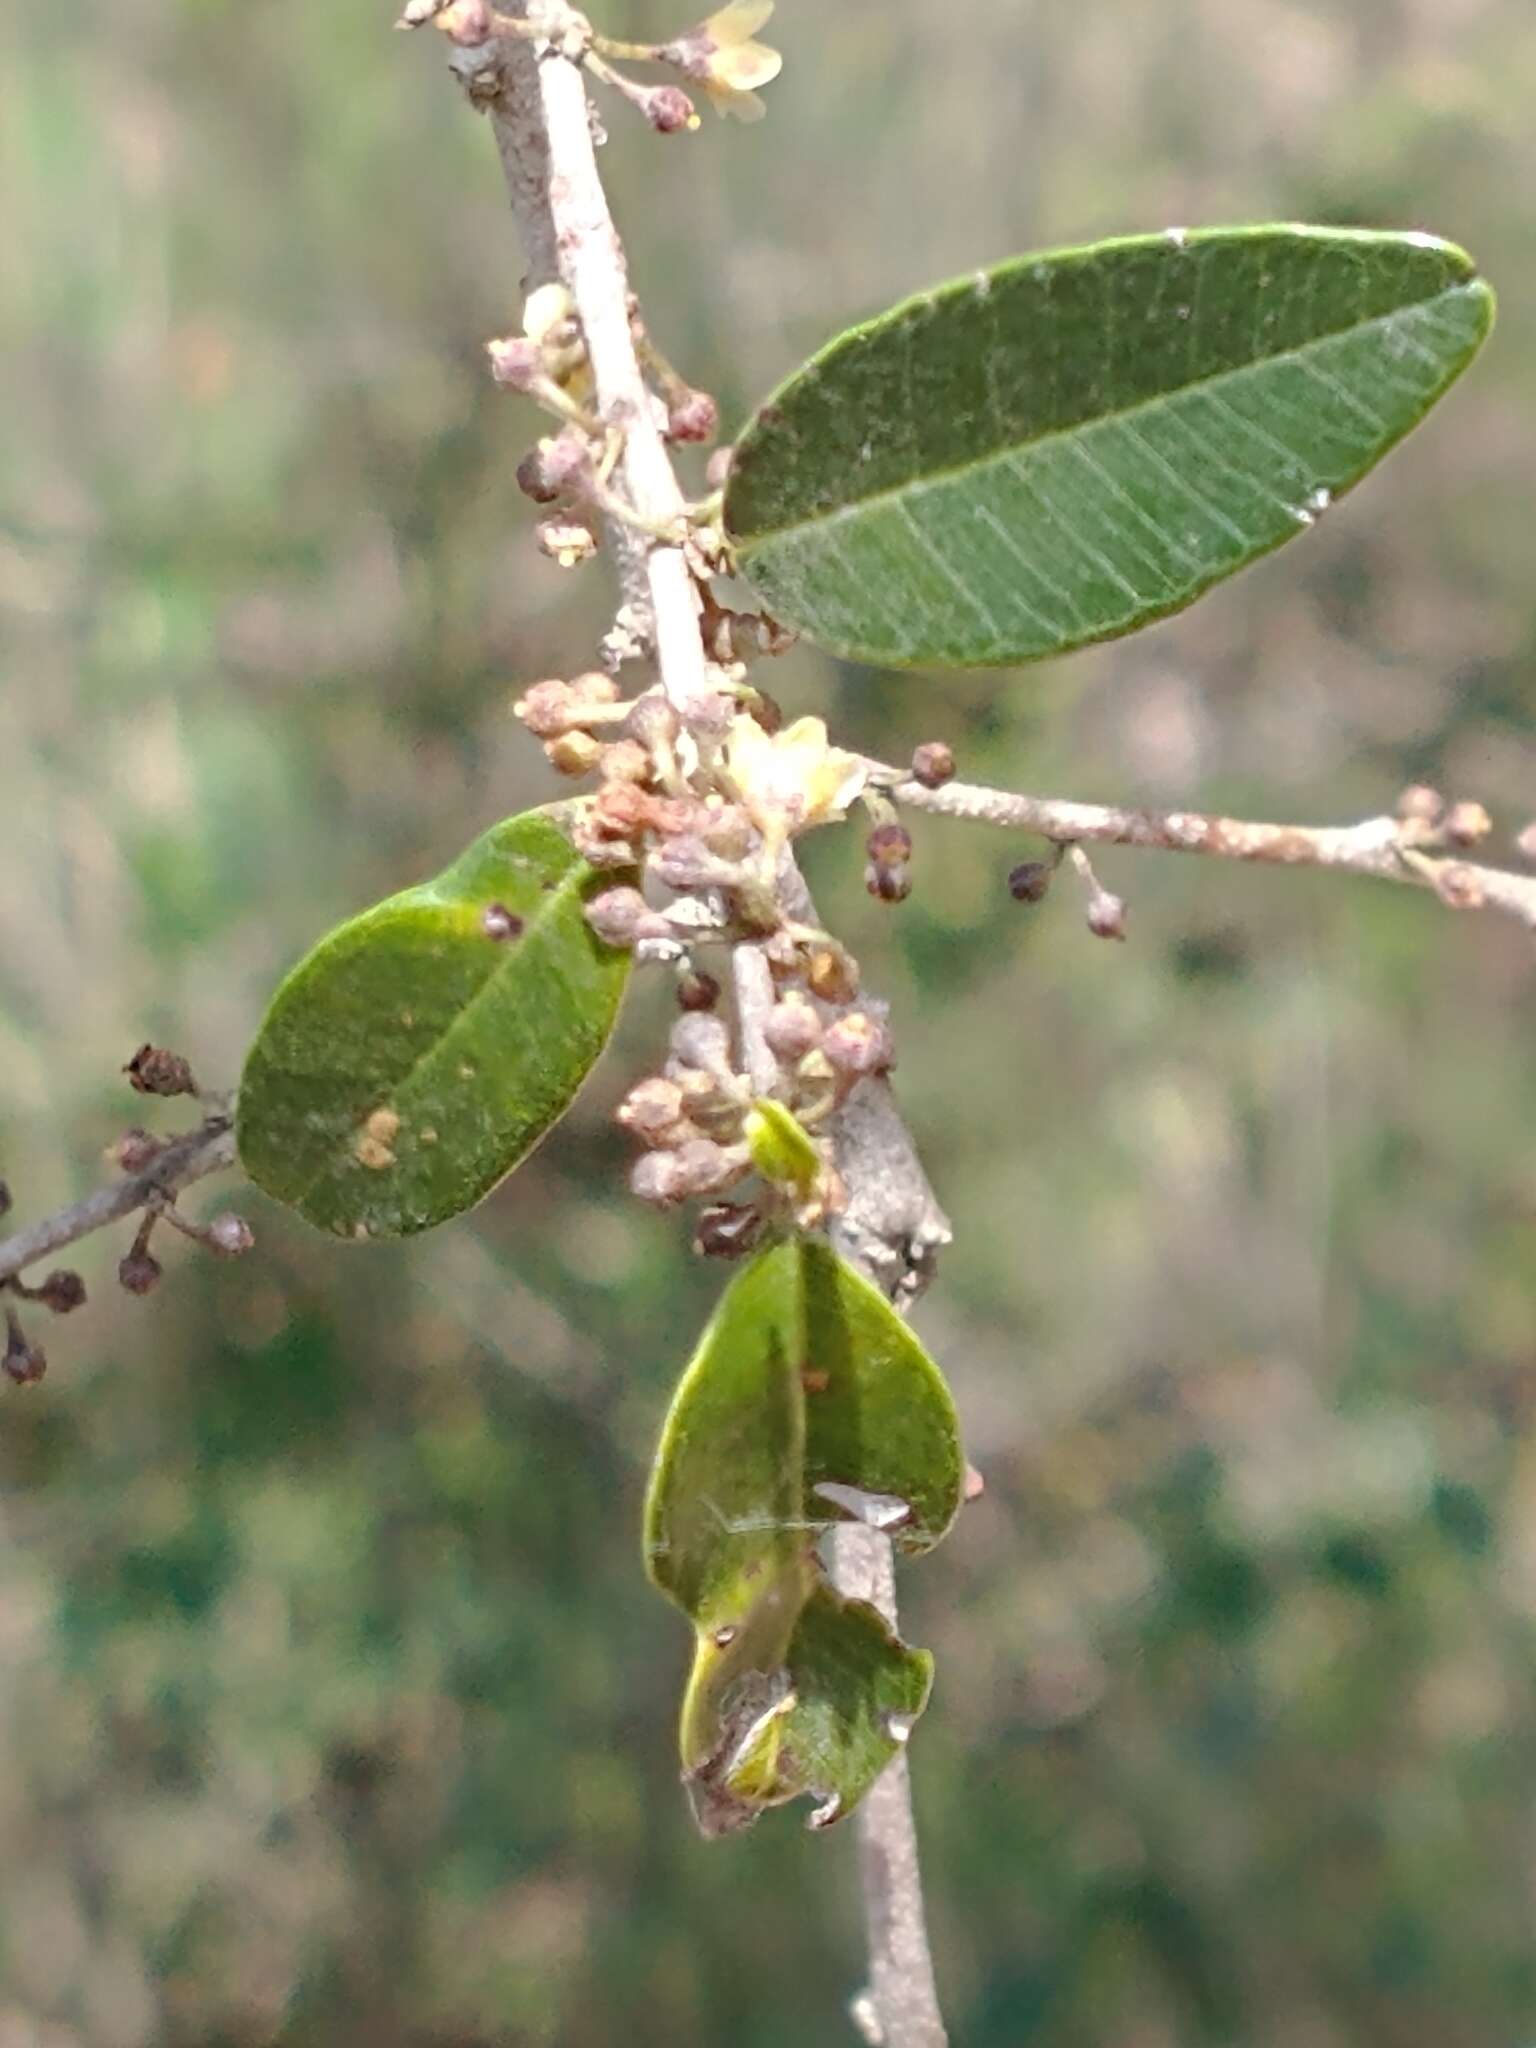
x=689, y=1117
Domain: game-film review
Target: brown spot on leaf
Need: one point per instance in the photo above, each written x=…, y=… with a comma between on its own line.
x=499, y=923
x=374, y=1143
x=815, y=1379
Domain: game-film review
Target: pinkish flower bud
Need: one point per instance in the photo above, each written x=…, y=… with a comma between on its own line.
x=792, y=1029
x=139, y=1272
x=1031, y=880
x=516, y=362
x=658, y=1178
x=669, y=109
x=62, y=1291
x=652, y=1110
x=616, y=915
x=693, y=417
x=699, y=1039
x=933, y=764
x=229, y=1235
x=858, y=1044
x=1106, y=916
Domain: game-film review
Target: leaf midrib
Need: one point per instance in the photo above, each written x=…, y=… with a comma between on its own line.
x=937, y=478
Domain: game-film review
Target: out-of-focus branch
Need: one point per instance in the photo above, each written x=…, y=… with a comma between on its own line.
x=176, y=1165
x=1419, y=850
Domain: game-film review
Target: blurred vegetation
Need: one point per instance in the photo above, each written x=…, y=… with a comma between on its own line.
x=334, y=1706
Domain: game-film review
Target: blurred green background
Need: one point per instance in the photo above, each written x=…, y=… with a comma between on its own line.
x=333, y=1705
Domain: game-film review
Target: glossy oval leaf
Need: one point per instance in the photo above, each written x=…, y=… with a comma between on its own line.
x=807, y=1401
x=1071, y=445
x=416, y=1055
x=808, y=1396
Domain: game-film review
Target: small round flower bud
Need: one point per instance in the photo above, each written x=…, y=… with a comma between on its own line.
x=700, y=1039
x=697, y=991
x=685, y=863
x=712, y=1103
x=1421, y=803
x=889, y=846
x=62, y=1291
x=25, y=1363
x=792, y=1029
x=652, y=1110
x=726, y=1230
x=1526, y=843
x=620, y=810
x=857, y=1044
x=154, y=1071
x=533, y=480
x=229, y=1235
x=139, y=1272
x=726, y=830
x=657, y=1178
x=888, y=885
x=669, y=109
x=625, y=761
x=832, y=974
x=694, y=417
x=1030, y=881
x=574, y=753
x=515, y=361
x=1106, y=916
x=548, y=709
x=1467, y=824
x=595, y=686
x=1458, y=887
x=933, y=764
x=135, y=1150
x=466, y=22
x=653, y=722
x=709, y=1169
x=616, y=915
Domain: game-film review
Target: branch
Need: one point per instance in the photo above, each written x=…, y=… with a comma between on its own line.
x=537, y=100
x=178, y=1163
x=1417, y=850
x=892, y=1230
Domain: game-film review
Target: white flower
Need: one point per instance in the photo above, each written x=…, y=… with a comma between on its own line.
x=721, y=55
x=793, y=779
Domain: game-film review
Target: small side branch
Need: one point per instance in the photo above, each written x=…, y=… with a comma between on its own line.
x=1417, y=851
x=181, y=1161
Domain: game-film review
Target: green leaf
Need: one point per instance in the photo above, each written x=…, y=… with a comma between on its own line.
x=781, y=1146
x=1064, y=448
x=808, y=1401
x=423, y=1048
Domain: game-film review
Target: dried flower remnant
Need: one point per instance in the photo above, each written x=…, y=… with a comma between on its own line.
x=723, y=57
x=155, y=1071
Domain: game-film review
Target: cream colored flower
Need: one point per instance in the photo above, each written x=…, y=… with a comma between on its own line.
x=722, y=56
x=790, y=780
